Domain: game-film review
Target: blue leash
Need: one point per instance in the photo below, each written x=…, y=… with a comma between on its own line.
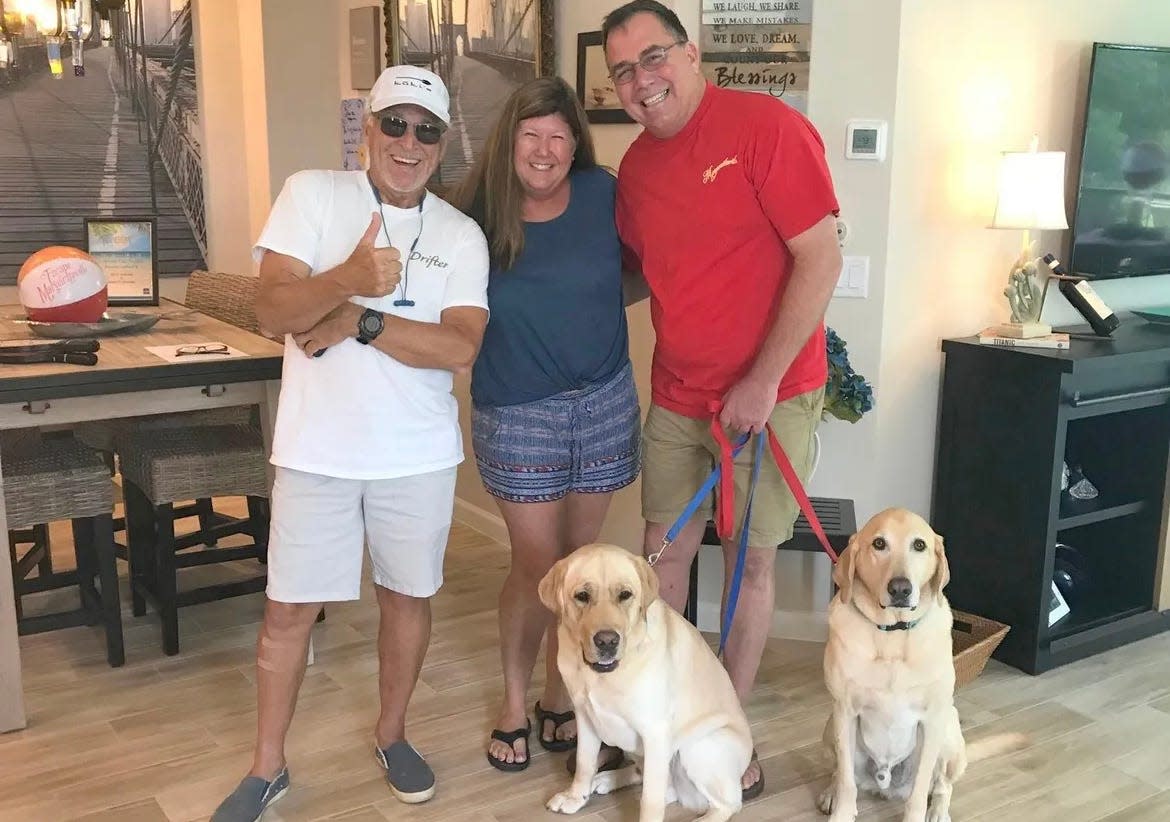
x=741, y=555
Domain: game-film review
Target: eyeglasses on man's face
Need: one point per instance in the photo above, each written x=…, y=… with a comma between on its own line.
x=195, y=350
x=426, y=133
x=652, y=59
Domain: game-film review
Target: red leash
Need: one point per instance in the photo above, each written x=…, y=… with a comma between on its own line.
x=725, y=505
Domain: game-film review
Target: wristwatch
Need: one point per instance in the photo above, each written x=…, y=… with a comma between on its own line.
x=370, y=325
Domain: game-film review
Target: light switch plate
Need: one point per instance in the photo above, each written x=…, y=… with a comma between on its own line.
x=854, y=278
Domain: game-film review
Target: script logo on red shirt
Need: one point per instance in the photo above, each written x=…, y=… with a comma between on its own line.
x=713, y=171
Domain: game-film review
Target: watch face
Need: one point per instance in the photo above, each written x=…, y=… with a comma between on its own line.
x=369, y=325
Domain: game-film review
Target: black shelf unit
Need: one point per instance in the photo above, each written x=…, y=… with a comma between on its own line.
x=1009, y=419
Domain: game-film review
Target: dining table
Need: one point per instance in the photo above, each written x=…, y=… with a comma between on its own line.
x=163, y=359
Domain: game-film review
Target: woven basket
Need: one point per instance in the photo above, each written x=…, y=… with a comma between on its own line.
x=974, y=639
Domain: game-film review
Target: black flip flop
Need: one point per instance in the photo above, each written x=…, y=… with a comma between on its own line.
x=509, y=738
x=611, y=763
x=757, y=788
x=554, y=745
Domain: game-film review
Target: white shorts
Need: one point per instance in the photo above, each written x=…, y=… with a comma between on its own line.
x=319, y=524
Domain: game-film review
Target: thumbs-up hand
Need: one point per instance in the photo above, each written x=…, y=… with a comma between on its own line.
x=369, y=271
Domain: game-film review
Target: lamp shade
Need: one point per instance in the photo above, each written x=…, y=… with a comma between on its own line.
x=1031, y=191
x=46, y=15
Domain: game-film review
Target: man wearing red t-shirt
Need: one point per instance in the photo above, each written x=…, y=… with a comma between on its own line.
x=726, y=206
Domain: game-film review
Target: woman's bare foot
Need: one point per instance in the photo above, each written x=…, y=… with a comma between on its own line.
x=559, y=725
x=753, y=779
x=517, y=752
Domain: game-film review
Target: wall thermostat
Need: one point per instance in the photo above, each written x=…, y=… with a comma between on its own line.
x=865, y=140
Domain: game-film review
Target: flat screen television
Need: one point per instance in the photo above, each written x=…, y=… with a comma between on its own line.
x=1122, y=214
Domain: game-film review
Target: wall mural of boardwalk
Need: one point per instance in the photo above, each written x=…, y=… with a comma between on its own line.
x=120, y=141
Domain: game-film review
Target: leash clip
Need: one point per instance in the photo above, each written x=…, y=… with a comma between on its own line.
x=653, y=558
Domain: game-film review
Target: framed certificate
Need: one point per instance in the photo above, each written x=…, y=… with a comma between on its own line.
x=127, y=250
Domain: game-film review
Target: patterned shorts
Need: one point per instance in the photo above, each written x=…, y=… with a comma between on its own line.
x=586, y=440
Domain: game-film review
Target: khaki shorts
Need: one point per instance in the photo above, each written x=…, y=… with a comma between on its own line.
x=678, y=453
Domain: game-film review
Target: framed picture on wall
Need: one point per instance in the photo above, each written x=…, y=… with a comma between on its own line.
x=127, y=250
x=365, y=58
x=595, y=87
x=483, y=50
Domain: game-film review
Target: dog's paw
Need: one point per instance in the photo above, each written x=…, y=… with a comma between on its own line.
x=566, y=802
x=936, y=814
x=825, y=800
x=837, y=812
x=610, y=781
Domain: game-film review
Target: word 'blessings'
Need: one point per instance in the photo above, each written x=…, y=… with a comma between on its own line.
x=732, y=76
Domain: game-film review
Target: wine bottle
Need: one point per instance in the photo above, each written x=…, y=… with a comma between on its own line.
x=1085, y=300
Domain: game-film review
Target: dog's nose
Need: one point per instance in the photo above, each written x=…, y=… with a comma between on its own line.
x=900, y=589
x=606, y=642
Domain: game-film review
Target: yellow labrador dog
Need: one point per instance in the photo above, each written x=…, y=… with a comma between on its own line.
x=894, y=730
x=641, y=678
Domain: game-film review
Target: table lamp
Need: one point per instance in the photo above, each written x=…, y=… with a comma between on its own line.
x=1031, y=196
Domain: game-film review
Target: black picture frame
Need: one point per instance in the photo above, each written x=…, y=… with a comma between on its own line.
x=132, y=280
x=586, y=41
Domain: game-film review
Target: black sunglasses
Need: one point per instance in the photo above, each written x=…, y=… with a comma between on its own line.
x=426, y=133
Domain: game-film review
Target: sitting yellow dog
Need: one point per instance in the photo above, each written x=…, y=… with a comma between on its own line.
x=643, y=679
x=894, y=730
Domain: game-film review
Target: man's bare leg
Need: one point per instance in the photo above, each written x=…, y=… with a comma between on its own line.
x=281, y=651
x=753, y=622
x=674, y=566
x=404, y=631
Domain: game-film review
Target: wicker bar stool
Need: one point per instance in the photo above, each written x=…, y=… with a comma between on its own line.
x=230, y=298
x=51, y=479
x=160, y=467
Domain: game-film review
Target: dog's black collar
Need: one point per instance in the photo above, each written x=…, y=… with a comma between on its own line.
x=901, y=625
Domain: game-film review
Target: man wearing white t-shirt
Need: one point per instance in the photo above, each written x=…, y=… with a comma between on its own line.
x=381, y=291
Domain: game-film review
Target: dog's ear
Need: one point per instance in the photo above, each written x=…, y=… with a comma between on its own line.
x=942, y=569
x=845, y=568
x=649, y=581
x=549, y=588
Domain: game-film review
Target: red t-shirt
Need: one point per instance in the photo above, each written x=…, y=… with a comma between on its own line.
x=705, y=214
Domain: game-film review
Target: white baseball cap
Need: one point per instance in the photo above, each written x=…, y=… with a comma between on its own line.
x=411, y=85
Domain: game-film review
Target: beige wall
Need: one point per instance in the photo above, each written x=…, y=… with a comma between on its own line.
x=268, y=107
x=302, y=76
x=229, y=48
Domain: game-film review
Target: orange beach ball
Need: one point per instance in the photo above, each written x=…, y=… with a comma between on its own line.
x=62, y=284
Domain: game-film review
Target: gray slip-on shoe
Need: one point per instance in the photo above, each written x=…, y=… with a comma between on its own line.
x=251, y=798
x=408, y=774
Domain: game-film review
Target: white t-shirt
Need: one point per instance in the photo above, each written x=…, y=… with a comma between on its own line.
x=356, y=412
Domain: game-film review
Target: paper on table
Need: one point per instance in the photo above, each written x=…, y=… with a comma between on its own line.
x=168, y=352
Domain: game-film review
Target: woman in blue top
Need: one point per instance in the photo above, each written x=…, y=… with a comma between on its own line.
x=555, y=416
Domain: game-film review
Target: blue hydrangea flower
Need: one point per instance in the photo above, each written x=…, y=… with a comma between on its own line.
x=847, y=394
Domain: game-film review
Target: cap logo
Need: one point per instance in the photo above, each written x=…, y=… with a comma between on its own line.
x=415, y=82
